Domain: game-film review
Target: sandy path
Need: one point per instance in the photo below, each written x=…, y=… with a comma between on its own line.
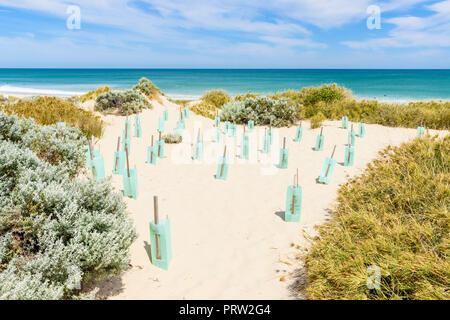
x=229, y=240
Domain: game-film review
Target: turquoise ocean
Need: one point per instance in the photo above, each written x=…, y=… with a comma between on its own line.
x=386, y=85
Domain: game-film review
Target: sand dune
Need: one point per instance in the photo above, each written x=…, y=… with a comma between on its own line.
x=229, y=239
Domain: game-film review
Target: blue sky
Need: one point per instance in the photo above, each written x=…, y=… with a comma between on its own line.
x=225, y=34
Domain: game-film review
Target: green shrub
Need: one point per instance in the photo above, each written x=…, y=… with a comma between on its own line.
x=204, y=109
x=172, y=138
x=325, y=93
x=50, y=110
x=56, y=231
x=262, y=110
x=216, y=98
x=91, y=95
x=124, y=102
x=248, y=95
x=317, y=120
x=394, y=216
x=147, y=88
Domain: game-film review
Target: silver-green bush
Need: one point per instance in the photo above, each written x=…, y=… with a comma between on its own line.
x=57, y=231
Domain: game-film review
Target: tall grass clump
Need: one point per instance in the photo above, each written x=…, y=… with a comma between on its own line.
x=91, y=95
x=50, y=110
x=262, y=110
x=122, y=102
x=396, y=217
x=147, y=88
x=216, y=98
x=57, y=231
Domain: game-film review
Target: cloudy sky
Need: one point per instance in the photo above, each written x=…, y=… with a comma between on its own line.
x=225, y=34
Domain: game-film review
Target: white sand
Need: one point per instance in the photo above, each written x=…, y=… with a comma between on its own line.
x=229, y=240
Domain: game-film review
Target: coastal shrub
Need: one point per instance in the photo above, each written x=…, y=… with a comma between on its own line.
x=172, y=138
x=181, y=102
x=147, y=88
x=57, y=146
x=124, y=102
x=57, y=231
x=395, y=217
x=216, y=98
x=91, y=95
x=326, y=93
x=262, y=110
x=204, y=109
x=248, y=95
x=317, y=120
x=50, y=110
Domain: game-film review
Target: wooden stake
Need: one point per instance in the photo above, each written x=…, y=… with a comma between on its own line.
x=223, y=163
x=155, y=207
x=159, y=144
x=320, y=140
x=297, y=177
x=329, y=164
x=117, y=158
x=92, y=157
x=128, y=163
x=284, y=147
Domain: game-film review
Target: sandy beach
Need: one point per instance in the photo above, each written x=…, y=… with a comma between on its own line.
x=229, y=239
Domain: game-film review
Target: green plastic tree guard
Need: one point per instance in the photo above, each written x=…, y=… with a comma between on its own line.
x=420, y=131
x=198, y=151
x=181, y=124
x=226, y=128
x=232, y=130
x=99, y=167
x=161, y=124
x=162, y=229
x=349, y=156
x=152, y=155
x=160, y=148
x=344, y=122
x=222, y=169
x=186, y=112
x=351, y=138
x=293, y=204
x=245, y=147
x=126, y=142
x=137, y=126
x=298, y=134
x=251, y=125
x=130, y=184
x=119, y=162
x=218, y=137
x=60, y=124
x=217, y=122
x=129, y=127
x=327, y=170
x=284, y=158
x=166, y=115
x=270, y=135
x=87, y=154
x=266, y=144
x=319, y=142
x=361, y=130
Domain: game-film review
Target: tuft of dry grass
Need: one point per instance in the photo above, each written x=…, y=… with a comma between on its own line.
x=91, y=95
x=395, y=216
x=50, y=110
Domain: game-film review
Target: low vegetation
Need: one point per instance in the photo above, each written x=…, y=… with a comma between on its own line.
x=205, y=110
x=91, y=95
x=216, y=98
x=172, y=138
x=317, y=120
x=262, y=110
x=57, y=231
x=395, y=217
x=50, y=110
x=148, y=88
x=122, y=102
